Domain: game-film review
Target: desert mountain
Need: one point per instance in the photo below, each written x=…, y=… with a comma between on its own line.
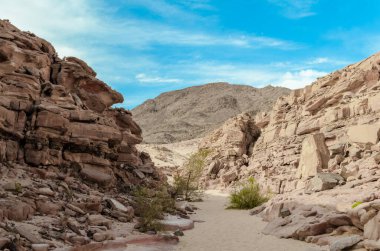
x=192, y=112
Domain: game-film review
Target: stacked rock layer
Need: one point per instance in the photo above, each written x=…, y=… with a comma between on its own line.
x=63, y=150
x=318, y=154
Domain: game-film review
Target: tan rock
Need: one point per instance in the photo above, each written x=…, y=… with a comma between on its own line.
x=45, y=191
x=99, y=220
x=40, y=247
x=99, y=237
x=100, y=175
x=323, y=181
x=314, y=156
x=372, y=228
x=364, y=133
x=229, y=177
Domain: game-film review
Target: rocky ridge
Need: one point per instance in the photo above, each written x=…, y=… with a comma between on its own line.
x=195, y=111
x=67, y=159
x=318, y=150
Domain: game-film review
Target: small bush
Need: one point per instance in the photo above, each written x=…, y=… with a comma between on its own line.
x=151, y=206
x=247, y=196
x=357, y=203
x=186, y=181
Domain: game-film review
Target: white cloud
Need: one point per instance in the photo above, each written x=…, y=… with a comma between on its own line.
x=81, y=24
x=68, y=51
x=143, y=78
x=299, y=79
x=295, y=9
x=256, y=75
x=50, y=18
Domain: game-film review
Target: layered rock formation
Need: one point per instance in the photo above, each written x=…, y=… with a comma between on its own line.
x=195, y=111
x=64, y=152
x=325, y=127
x=318, y=153
x=230, y=147
x=318, y=138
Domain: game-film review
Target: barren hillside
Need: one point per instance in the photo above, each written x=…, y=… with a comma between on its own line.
x=190, y=113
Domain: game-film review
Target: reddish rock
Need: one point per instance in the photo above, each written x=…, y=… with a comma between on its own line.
x=62, y=145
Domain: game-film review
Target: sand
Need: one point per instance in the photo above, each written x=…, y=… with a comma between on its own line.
x=230, y=230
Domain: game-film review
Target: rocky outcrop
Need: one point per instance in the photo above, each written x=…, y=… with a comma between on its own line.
x=339, y=112
x=196, y=111
x=314, y=156
x=230, y=147
x=317, y=152
x=319, y=146
x=65, y=154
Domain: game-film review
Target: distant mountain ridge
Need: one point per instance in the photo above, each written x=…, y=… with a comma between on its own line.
x=191, y=112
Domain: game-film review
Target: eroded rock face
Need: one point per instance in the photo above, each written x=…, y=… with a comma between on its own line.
x=319, y=151
x=230, y=147
x=56, y=112
x=64, y=152
x=314, y=156
x=342, y=107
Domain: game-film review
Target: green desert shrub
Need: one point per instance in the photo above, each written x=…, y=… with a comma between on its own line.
x=187, y=181
x=247, y=195
x=150, y=206
x=357, y=203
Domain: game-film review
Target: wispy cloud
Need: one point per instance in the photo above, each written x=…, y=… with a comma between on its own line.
x=165, y=9
x=198, y=4
x=295, y=9
x=129, y=50
x=143, y=78
x=254, y=74
x=71, y=22
x=327, y=61
x=364, y=40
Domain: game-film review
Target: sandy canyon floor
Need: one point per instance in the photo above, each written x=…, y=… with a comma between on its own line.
x=230, y=230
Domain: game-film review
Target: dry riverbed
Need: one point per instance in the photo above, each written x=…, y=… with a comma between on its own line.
x=229, y=230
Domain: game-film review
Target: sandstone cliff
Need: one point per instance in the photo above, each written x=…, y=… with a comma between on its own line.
x=192, y=112
x=318, y=153
x=65, y=154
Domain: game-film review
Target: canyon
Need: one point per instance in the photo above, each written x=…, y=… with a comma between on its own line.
x=69, y=161
x=317, y=152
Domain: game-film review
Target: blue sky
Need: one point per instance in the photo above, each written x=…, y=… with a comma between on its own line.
x=145, y=47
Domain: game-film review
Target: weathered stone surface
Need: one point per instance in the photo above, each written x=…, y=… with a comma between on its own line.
x=372, y=228
x=364, y=133
x=229, y=147
x=99, y=220
x=323, y=181
x=70, y=120
x=342, y=242
x=314, y=156
x=172, y=223
x=63, y=149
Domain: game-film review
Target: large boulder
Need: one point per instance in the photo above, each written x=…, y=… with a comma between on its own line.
x=314, y=156
x=364, y=133
x=323, y=181
x=372, y=228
